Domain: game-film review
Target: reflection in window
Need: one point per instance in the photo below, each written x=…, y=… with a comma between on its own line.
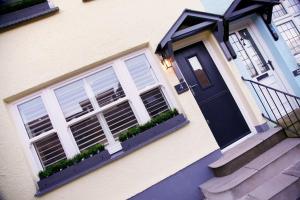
x=35, y=117
x=253, y=51
x=120, y=118
x=155, y=102
x=278, y=11
x=49, y=150
x=106, y=86
x=88, y=132
x=199, y=72
x=294, y=5
x=242, y=54
x=291, y=35
x=141, y=72
x=73, y=100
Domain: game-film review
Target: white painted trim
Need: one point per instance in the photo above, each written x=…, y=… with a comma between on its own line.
x=62, y=127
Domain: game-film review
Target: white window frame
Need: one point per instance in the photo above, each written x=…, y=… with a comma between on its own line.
x=62, y=127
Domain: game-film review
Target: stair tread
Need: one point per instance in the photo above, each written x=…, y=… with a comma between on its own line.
x=273, y=186
x=244, y=147
x=220, y=184
x=272, y=154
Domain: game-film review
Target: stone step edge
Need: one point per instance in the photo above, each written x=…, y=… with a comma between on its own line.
x=249, y=172
x=245, y=146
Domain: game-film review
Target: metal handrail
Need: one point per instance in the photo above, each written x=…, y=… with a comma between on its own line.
x=282, y=117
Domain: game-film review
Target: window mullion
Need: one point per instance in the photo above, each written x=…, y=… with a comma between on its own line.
x=131, y=92
x=59, y=123
x=113, y=145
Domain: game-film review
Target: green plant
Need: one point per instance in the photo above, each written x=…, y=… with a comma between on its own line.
x=63, y=164
x=162, y=117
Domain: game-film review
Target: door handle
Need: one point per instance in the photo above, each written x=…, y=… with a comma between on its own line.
x=191, y=88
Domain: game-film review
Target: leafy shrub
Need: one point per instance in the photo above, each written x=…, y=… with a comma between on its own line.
x=162, y=117
x=63, y=164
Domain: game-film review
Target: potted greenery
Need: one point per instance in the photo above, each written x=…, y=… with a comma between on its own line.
x=69, y=169
x=157, y=127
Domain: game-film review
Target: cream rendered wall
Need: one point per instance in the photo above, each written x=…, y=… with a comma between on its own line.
x=79, y=37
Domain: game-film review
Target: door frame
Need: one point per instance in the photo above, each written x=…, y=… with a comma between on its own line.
x=206, y=38
x=235, y=94
x=253, y=30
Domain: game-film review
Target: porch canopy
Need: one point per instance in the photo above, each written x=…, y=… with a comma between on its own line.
x=192, y=22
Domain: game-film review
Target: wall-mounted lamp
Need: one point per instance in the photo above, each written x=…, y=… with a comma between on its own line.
x=166, y=62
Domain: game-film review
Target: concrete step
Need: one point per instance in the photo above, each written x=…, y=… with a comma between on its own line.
x=248, y=150
x=285, y=185
x=254, y=173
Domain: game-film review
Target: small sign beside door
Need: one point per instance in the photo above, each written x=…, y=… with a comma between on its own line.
x=181, y=87
x=296, y=72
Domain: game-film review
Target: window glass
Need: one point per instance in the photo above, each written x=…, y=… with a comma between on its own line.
x=49, y=150
x=278, y=11
x=140, y=71
x=36, y=122
x=294, y=5
x=106, y=86
x=73, y=100
x=199, y=72
x=155, y=102
x=88, y=132
x=291, y=35
x=35, y=117
x=242, y=54
x=120, y=118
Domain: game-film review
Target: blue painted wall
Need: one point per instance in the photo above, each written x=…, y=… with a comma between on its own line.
x=184, y=185
x=216, y=6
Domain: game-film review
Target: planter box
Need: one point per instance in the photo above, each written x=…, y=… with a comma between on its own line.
x=72, y=172
x=88, y=165
x=154, y=133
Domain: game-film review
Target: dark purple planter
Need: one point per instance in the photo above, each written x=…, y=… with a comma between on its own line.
x=72, y=172
x=154, y=133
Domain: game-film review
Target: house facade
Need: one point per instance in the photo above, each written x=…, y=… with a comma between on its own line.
x=157, y=84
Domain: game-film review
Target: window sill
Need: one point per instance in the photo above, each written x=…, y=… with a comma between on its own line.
x=63, y=177
x=29, y=14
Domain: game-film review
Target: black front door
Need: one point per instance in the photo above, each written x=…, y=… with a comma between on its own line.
x=212, y=95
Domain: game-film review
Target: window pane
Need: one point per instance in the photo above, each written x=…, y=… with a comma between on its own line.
x=140, y=71
x=291, y=35
x=294, y=5
x=278, y=11
x=120, y=118
x=35, y=117
x=253, y=51
x=49, y=150
x=155, y=102
x=106, y=86
x=242, y=54
x=199, y=72
x=88, y=132
x=73, y=100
